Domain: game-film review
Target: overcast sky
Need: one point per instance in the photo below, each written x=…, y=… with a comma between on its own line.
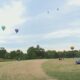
x=53, y=24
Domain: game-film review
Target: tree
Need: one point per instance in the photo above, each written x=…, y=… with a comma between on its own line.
x=3, y=52
x=35, y=53
x=40, y=52
x=51, y=54
x=31, y=52
x=16, y=55
x=19, y=55
x=13, y=55
x=61, y=55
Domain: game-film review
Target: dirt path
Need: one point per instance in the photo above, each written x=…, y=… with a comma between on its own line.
x=31, y=68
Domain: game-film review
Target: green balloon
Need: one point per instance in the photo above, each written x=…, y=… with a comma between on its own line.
x=3, y=28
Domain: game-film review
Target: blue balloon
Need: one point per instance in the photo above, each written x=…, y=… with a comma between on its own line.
x=16, y=30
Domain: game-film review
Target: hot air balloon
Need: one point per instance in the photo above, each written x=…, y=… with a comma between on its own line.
x=16, y=30
x=48, y=12
x=57, y=9
x=3, y=28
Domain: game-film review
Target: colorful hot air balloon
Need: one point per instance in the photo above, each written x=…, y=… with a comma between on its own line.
x=3, y=28
x=16, y=30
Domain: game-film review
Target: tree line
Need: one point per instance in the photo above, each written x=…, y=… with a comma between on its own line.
x=38, y=53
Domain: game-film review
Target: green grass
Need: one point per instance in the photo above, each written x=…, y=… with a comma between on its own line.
x=62, y=70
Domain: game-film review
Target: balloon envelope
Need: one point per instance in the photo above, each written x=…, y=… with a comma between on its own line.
x=57, y=9
x=3, y=28
x=16, y=30
x=48, y=12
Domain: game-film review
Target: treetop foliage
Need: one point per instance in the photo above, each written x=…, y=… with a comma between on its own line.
x=38, y=53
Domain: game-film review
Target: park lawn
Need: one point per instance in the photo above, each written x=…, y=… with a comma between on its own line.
x=62, y=70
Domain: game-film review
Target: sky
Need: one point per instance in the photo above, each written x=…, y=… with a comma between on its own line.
x=52, y=24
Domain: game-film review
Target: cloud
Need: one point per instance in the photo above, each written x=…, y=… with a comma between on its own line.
x=75, y=23
x=11, y=14
x=63, y=33
x=74, y=2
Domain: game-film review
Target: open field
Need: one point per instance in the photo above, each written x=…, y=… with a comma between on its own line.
x=23, y=70
x=51, y=69
x=62, y=70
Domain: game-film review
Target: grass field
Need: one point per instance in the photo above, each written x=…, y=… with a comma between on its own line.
x=51, y=69
x=23, y=70
x=62, y=70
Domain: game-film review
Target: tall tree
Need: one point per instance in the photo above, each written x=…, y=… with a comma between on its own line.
x=13, y=55
x=31, y=53
x=34, y=53
x=19, y=55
